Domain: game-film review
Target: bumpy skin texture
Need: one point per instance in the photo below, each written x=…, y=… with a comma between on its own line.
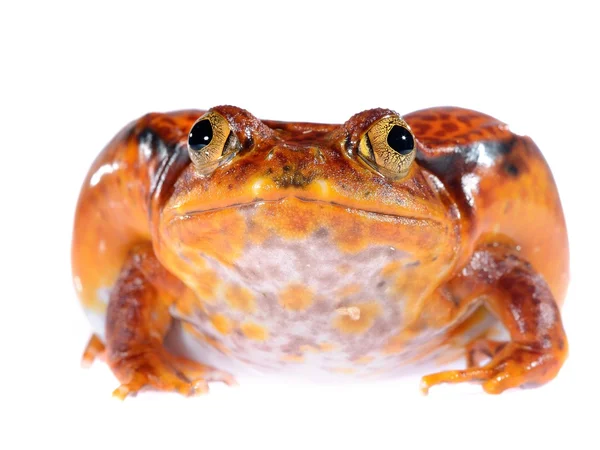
x=295, y=256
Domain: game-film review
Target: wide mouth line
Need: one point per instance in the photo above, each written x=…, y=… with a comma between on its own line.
x=307, y=200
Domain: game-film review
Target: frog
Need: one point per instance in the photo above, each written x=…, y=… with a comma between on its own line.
x=209, y=244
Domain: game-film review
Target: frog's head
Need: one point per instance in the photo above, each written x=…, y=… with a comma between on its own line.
x=355, y=185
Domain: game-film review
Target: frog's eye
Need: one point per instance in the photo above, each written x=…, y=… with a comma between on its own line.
x=388, y=147
x=211, y=142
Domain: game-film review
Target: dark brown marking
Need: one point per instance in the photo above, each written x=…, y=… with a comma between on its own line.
x=464, y=118
x=450, y=127
x=511, y=169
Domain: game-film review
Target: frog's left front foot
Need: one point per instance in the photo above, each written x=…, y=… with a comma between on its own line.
x=511, y=365
x=521, y=299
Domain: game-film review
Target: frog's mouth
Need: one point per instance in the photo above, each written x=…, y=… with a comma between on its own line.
x=374, y=213
x=413, y=199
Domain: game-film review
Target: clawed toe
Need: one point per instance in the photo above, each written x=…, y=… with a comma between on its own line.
x=159, y=370
x=512, y=365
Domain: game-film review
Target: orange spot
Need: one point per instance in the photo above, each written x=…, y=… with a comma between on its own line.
x=254, y=331
x=347, y=323
x=240, y=298
x=292, y=358
x=326, y=346
x=366, y=359
x=221, y=323
x=205, y=285
x=296, y=297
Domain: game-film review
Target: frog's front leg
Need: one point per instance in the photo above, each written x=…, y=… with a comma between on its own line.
x=137, y=321
x=522, y=301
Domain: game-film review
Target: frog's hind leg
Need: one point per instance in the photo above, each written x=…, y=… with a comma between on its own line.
x=138, y=319
x=523, y=302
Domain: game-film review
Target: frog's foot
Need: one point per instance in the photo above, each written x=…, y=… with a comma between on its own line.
x=511, y=365
x=95, y=349
x=158, y=369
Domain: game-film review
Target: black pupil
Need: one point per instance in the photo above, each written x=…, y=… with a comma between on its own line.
x=400, y=139
x=200, y=135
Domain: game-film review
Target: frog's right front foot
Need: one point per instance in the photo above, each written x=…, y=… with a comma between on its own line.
x=137, y=321
x=155, y=368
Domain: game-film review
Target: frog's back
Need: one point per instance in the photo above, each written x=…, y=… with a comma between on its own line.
x=501, y=183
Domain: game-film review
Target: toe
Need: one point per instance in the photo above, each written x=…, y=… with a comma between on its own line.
x=200, y=387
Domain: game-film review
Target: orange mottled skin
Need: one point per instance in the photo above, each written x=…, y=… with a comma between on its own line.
x=297, y=256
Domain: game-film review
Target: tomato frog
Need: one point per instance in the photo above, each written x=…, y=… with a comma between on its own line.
x=209, y=244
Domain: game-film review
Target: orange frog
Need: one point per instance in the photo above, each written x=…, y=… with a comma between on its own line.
x=214, y=239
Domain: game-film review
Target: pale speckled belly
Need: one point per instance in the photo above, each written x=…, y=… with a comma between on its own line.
x=304, y=306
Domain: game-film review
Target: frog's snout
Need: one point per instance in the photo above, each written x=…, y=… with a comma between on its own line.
x=293, y=177
x=295, y=166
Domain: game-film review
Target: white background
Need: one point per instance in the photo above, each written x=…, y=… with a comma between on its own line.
x=72, y=75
